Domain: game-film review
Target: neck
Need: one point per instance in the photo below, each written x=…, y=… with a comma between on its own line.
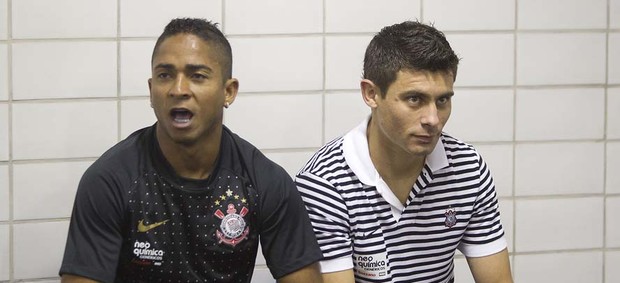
x=191, y=160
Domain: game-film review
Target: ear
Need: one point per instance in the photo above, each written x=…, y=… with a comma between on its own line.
x=150, y=92
x=231, y=89
x=370, y=93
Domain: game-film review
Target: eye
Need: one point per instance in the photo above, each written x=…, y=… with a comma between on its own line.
x=163, y=75
x=414, y=99
x=443, y=100
x=198, y=76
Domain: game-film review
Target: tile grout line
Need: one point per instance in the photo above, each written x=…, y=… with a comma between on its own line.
x=119, y=115
x=10, y=135
x=324, y=85
x=514, y=135
x=605, y=149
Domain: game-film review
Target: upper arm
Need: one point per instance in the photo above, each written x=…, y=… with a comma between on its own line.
x=344, y=276
x=68, y=278
x=307, y=274
x=494, y=268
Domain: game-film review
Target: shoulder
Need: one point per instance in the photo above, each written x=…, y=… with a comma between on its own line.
x=329, y=155
x=457, y=149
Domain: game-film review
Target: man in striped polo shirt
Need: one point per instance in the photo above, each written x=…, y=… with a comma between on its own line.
x=394, y=198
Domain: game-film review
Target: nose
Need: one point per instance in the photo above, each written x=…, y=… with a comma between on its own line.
x=430, y=116
x=180, y=88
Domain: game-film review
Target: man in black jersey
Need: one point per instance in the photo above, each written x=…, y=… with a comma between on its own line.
x=187, y=200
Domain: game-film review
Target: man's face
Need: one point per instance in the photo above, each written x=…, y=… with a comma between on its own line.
x=187, y=89
x=413, y=112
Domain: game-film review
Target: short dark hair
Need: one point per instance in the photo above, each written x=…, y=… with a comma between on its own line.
x=208, y=32
x=408, y=45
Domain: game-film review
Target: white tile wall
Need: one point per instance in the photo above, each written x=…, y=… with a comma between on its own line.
x=298, y=64
x=499, y=158
x=57, y=69
x=63, y=129
x=559, y=168
x=486, y=59
x=562, y=14
x=613, y=76
x=470, y=122
x=4, y=15
x=471, y=15
x=4, y=193
x=462, y=274
x=612, y=260
x=4, y=131
x=506, y=210
x=290, y=161
x=51, y=19
x=559, y=224
x=267, y=16
x=614, y=14
x=38, y=248
x=613, y=167
x=262, y=275
x=613, y=113
x=136, y=67
x=575, y=267
x=45, y=190
x=4, y=72
x=302, y=111
x=541, y=117
x=140, y=18
x=4, y=252
x=368, y=15
x=612, y=210
x=136, y=114
x=343, y=112
x=559, y=58
x=344, y=61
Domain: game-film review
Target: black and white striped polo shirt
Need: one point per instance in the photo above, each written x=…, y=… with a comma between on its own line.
x=361, y=224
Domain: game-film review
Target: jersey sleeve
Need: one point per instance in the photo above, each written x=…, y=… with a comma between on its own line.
x=484, y=234
x=94, y=239
x=286, y=236
x=330, y=221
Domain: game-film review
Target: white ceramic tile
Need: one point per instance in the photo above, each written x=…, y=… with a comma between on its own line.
x=149, y=17
x=41, y=281
x=4, y=193
x=344, y=61
x=63, y=130
x=486, y=59
x=562, y=14
x=368, y=15
x=45, y=190
x=136, y=114
x=558, y=224
x=278, y=64
x=64, y=69
x=613, y=167
x=4, y=72
x=290, y=161
x=462, y=274
x=136, y=67
x=559, y=168
x=277, y=121
x=4, y=252
x=558, y=58
x=64, y=18
x=612, y=210
x=260, y=258
x=41, y=245
x=471, y=15
x=613, y=113
x=559, y=267
x=612, y=260
x=4, y=131
x=613, y=75
x=4, y=15
x=614, y=15
x=506, y=210
x=549, y=114
x=273, y=16
x=262, y=275
x=343, y=112
x=499, y=158
x=471, y=122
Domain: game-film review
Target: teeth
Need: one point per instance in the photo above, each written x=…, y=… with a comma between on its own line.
x=181, y=120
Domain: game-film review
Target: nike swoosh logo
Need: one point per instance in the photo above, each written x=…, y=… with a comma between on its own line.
x=143, y=228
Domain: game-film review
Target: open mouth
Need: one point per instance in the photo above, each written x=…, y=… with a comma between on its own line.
x=181, y=115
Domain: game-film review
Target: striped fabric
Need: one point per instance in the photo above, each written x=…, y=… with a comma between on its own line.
x=453, y=205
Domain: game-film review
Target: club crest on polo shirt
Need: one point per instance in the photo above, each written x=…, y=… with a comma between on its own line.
x=233, y=229
x=450, y=218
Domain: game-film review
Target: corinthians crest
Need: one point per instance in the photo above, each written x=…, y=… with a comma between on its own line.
x=233, y=228
x=450, y=218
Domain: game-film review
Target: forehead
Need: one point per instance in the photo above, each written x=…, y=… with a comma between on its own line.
x=182, y=49
x=422, y=81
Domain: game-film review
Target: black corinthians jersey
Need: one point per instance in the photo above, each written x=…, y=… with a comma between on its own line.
x=135, y=220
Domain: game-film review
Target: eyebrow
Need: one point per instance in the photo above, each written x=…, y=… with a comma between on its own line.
x=190, y=67
x=413, y=92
